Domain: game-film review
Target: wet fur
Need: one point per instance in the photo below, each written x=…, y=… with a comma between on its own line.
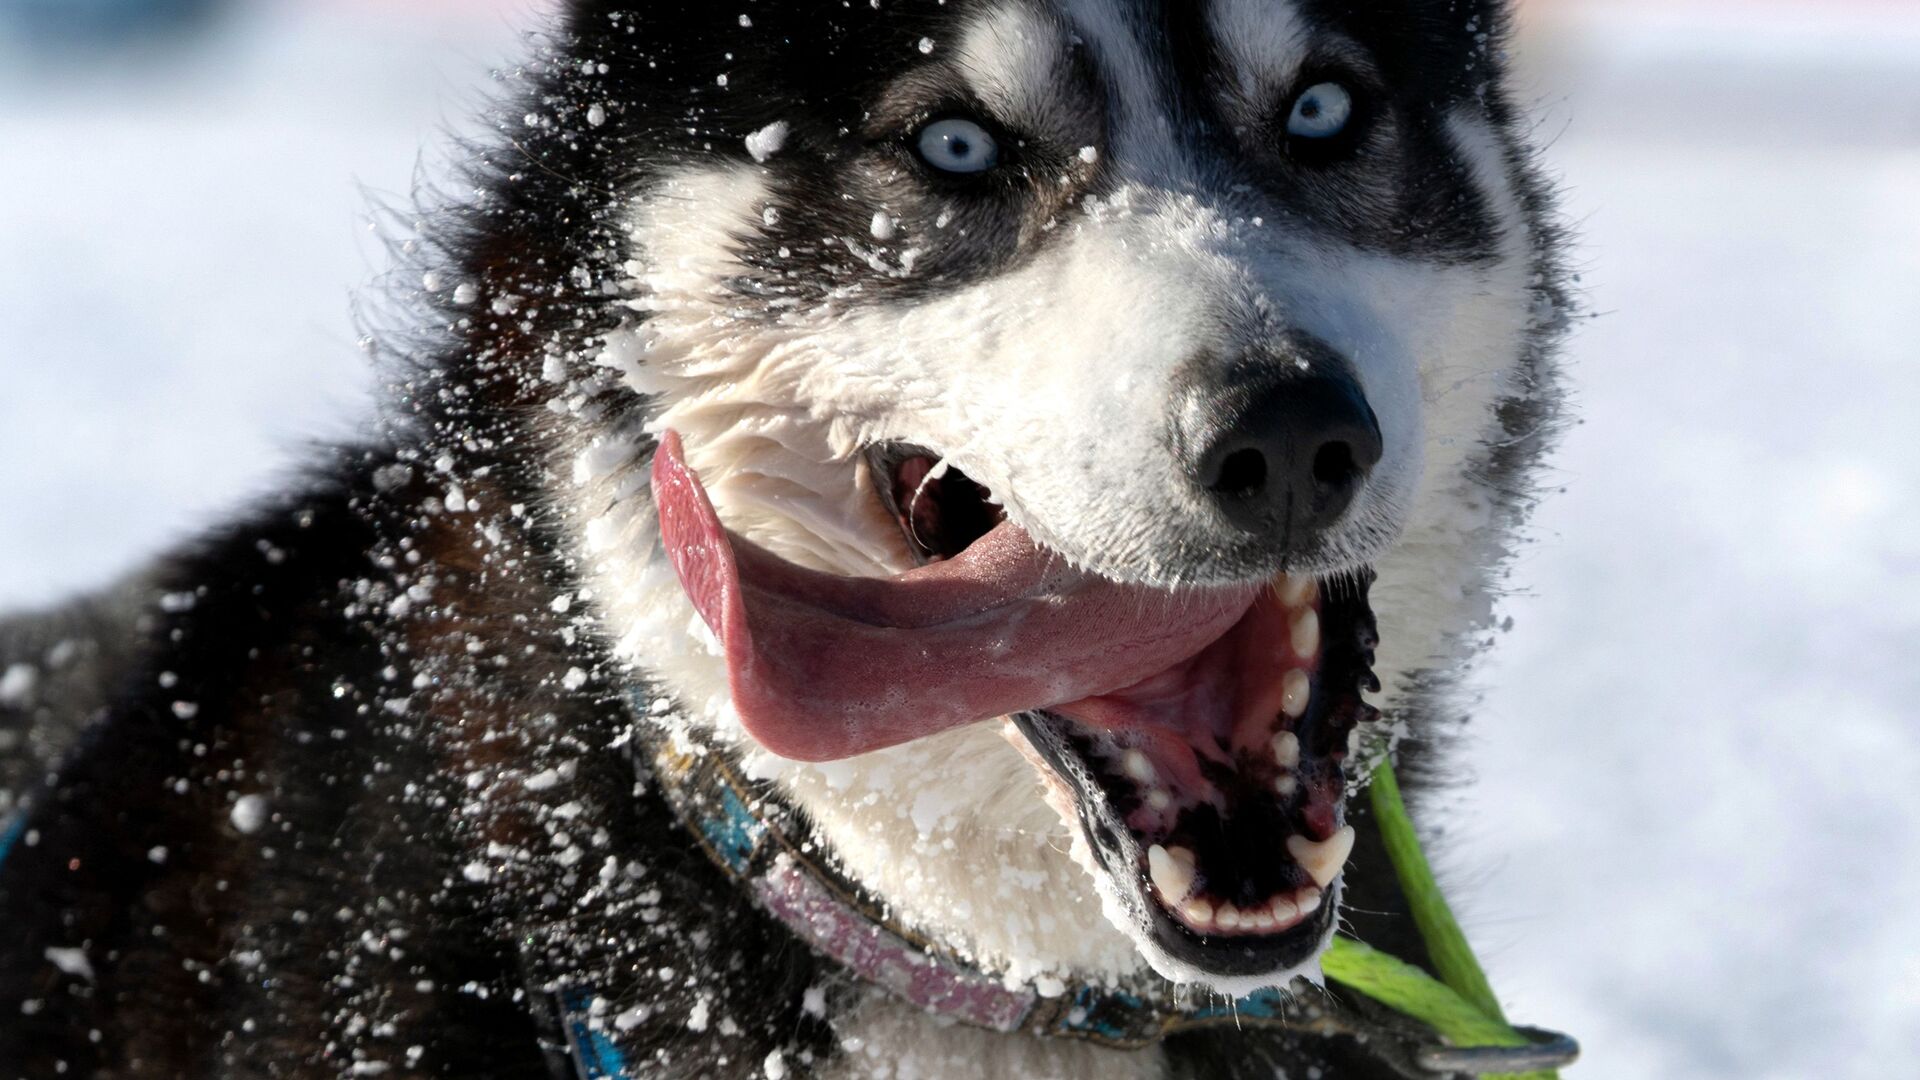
x=429, y=622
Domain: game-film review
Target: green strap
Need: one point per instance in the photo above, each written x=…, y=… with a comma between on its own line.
x=1460, y=1005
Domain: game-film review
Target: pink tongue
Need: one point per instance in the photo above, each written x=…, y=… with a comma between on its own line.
x=824, y=667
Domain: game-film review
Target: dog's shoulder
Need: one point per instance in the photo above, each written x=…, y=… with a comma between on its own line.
x=60, y=667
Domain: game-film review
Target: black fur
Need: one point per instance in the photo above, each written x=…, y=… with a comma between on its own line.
x=389, y=672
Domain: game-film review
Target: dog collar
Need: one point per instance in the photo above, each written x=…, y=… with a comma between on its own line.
x=1421, y=1026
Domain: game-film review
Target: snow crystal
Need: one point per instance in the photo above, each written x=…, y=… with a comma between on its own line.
x=596, y=115
x=697, y=1017
x=71, y=961
x=745, y=22
x=1089, y=154
x=574, y=679
x=882, y=227
x=157, y=853
x=388, y=477
x=769, y=140
x=186, y=710
x=465, y=293
x=476, y=872
x=926, y=45
x=249, y=813
x=16, y=685
x=776, y=1066
x=549, y=778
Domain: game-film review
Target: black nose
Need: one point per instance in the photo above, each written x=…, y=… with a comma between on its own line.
x=1284, y=456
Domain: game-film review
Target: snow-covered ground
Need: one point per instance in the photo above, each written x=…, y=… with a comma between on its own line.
x=1694, y=839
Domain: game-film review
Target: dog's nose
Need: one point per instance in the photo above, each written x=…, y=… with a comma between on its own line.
x=1283, y=456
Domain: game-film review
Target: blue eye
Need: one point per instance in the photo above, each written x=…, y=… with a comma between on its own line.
x=957, y=146
x=1320, y=112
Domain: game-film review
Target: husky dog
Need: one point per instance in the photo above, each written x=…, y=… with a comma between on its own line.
x=893, y=527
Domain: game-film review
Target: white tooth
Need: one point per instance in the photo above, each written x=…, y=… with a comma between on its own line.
x=1294, y=693
x=1322, y=859
x=1306, y=635
x=1296, y=591
x=1172, y=875
x=1307, y=900
x=1227, y=918
x=1137, y=767
x=1259, y=918
x=1198, y=913
x=1286, y=749
x=1287, y=785
x=1159, y=799
x=1284, y=911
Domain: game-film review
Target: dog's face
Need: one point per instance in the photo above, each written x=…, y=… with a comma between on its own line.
x=1074, y=361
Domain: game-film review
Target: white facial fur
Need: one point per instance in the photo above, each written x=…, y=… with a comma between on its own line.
x=1008, y=378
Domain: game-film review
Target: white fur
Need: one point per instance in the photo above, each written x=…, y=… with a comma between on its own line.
x=1007, y=378
x=1262, y=43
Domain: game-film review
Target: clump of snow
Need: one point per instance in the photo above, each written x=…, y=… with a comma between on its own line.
x=769, y=140
x=71, y=961
x=249, y=813
x=17, y=683
x=186, y=710
x=596, y=115
x=776, y=1066
x=882, y=227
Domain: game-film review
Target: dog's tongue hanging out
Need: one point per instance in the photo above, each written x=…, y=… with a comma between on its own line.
x=824, y=667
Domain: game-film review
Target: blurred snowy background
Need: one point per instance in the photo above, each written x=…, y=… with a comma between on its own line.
x=1694, y=839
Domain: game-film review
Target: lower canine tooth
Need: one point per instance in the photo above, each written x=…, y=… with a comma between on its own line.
x=1295, y=691
x=1308, y=901
x=1172, y=874
x=1322, y=859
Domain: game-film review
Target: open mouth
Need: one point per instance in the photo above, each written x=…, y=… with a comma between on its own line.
x=1217, y=785
x=1199, y=733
